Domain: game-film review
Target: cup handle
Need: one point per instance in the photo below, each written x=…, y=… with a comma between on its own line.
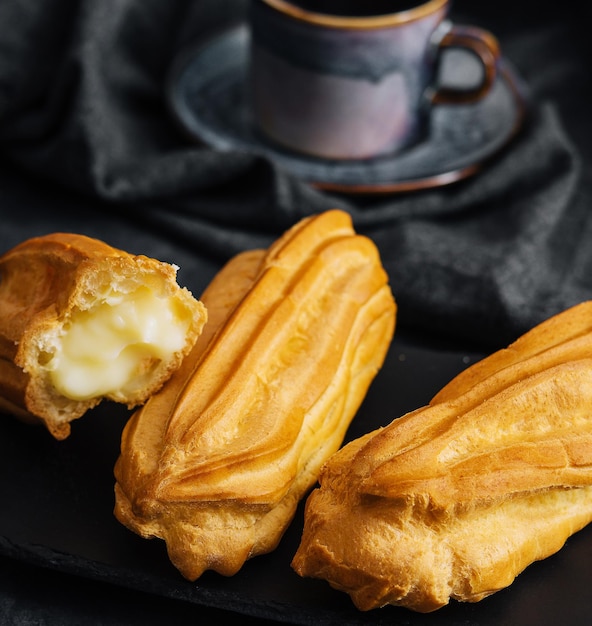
x=486, y=47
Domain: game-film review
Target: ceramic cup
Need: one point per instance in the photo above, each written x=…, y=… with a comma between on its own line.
x=354, y=79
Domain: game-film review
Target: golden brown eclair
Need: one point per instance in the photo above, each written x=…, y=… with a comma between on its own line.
x=216, y=463
x=81, y=321
x=455, y=499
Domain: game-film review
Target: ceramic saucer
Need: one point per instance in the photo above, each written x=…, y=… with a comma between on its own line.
x=208, y=94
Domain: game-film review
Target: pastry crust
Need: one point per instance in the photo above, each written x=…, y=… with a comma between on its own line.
x=216, y=463
x=455, y=499
x=81, y=321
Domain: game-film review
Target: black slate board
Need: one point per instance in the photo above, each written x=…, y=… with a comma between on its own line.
x=57, y=501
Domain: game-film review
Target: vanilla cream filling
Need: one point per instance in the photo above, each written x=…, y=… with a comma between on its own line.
x=114, y=345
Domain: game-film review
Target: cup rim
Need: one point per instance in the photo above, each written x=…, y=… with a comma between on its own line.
x=356, y=22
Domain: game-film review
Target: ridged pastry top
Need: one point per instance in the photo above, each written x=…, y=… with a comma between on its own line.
x=457, y=498
x=267, y=399
x=532, y=436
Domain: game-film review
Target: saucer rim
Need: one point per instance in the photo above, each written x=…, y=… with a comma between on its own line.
x=445, y=177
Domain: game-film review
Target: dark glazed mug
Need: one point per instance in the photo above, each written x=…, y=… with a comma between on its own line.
x=354, y=79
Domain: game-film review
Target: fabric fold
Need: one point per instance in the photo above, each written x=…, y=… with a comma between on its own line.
x=83, y=107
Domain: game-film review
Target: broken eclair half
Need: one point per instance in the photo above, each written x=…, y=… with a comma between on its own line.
x=81, y=321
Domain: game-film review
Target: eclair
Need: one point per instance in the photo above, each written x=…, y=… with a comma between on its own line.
x=455, y=499
x=81, y=321
x=216, y=462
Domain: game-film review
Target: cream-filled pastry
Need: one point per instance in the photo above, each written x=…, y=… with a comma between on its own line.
x=216, y=463
x=81, y=321
x=454, y=500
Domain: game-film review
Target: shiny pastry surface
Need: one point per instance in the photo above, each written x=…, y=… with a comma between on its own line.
x=81, y=321
x=454, y=500
x=216, y=463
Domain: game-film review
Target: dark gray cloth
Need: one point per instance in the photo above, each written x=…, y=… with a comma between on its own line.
x=87, y=143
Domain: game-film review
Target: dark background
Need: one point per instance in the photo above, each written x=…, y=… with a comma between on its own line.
x=87, y=144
